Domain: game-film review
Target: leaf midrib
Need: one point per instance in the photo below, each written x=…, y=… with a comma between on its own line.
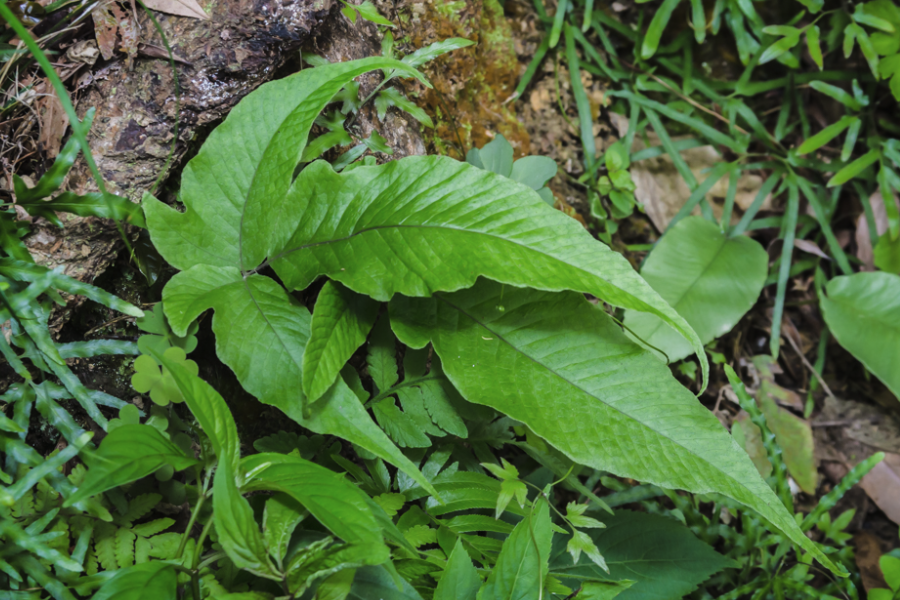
x=584, y=391
x=285, y=253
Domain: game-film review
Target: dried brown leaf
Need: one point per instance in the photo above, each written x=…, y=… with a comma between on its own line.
x=54, y=121
x=882, y=484
x=105, y=28
x=128, y=34
x=181, y=8
x=811, y=248
x=868, y=551
x=863, y=239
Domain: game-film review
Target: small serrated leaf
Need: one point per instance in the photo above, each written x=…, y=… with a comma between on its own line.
x=391, y=503
x=420, y=535
x=124, y=548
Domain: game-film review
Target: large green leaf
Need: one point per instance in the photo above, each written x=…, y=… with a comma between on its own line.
x=560, y=365
x=127, y=454
x=863, y=313
x=209, y=408
x=262, y=335
x=460, y=580
x=260, y=332
x=710, y=279
x=235, y=188
x=426, y=224
x=150, y=581
x=340, y=323
x=236, y=528
x=522, y=566
x=662, y=556
x=413, y=226
x=377, y=582
x=336, y=503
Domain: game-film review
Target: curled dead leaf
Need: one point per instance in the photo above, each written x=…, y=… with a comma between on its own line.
x=882, y=484
x=181, y=8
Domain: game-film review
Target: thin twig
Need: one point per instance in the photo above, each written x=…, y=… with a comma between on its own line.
x=809, y=365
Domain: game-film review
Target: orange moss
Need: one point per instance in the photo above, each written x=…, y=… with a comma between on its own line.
x=470, y=85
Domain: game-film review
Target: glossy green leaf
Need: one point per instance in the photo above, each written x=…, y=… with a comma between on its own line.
x=148, y=581
x=280, y=518
x=855, y=168
x=127, y=454
x=236, y=527
x=604, y=590
x=340, y=323
x=710, y=279
x=779, y=47
x=337, y=586
x=338, y=413
x=369, y=12
x=94, y=204
x=826, y=135
x=698, y=20
x=887, y=254
x=832, y=91
x=471, y=222
x=522, y=566
x=471, y=216
x=393, y=97
x=814, y=46
x=377, y=582
x=210, y=410
x=339, y=505
x=497, y=156
x=432, y=51
x=235, y=188
x=850, y=140
x=534, y=171
x=661, y=19
x=30, y=272
x=814, y=6
x=663, y=557
x=460, y=580
x=863, y=312
x=562, y=356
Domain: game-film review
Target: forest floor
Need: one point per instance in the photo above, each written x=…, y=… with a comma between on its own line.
x=839, y=418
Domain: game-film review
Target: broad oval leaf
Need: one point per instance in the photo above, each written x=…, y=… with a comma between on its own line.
x=340, y=323
x=148, y=581
x=863, y=313
x=534, y=171
x=426, y=224
x=336, y=503
x=561, y=366
x=710, y=279
x=664, y=558
x=126, y=454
